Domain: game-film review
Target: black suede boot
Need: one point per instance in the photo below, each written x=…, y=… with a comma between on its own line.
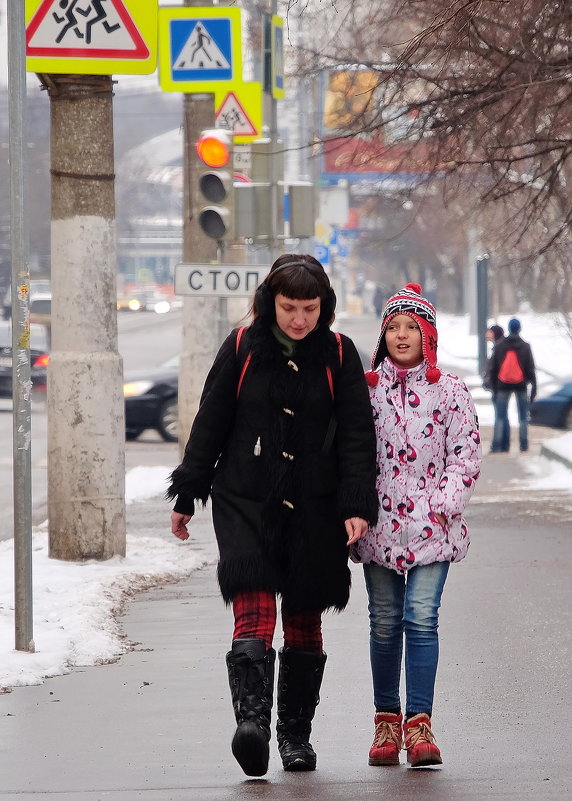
x=299, y=681
x=251, y=679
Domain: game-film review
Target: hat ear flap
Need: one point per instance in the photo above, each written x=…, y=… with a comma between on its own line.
x=264, y=303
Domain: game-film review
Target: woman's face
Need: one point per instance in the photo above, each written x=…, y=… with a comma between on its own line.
x=403, y=340
x=296, y=318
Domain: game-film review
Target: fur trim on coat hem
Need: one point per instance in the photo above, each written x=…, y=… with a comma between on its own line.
x=245, y=574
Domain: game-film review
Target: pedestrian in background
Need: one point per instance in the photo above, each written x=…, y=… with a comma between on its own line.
x=284, y=444
x=428, y=458
x=377, y=301
x=512, y=370
x=495, y=334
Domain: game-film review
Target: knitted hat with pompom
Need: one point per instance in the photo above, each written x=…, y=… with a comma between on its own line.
x=410, y=301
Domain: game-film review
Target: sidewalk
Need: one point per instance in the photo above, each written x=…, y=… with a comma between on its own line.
x=156, y=725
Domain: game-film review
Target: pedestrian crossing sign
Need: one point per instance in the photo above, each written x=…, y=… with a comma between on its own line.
x=95, y=37
x=199, y=48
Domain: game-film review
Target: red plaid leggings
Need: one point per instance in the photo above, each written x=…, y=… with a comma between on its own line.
x=255, y=617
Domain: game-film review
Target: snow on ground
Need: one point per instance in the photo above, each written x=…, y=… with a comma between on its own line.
x=76, y=604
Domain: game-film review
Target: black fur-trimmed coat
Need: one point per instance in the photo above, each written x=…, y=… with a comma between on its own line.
x=280, y=493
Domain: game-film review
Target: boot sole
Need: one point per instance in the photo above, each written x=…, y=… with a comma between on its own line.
x=250, y=749
x=426, y=763
x=380, y=762
x=299, y=765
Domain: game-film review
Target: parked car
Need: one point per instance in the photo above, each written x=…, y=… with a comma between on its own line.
x=151, y=399
x=554, y=410
x=39, y=357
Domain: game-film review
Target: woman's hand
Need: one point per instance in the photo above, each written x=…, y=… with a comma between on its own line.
x=356, y=527
x=179, y=525
x=441, y=518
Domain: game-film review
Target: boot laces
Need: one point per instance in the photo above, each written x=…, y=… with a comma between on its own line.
x=255, y=681
x=420, y=733
x=386, y=732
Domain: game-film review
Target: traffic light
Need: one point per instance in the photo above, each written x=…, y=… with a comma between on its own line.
x=215, y=191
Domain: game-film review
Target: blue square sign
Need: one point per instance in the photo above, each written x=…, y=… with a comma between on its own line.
x=201, y=49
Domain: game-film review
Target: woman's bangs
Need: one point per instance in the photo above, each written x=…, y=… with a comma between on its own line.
x=298, y=284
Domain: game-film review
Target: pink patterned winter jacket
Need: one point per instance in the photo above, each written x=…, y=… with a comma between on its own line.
x=428, y=455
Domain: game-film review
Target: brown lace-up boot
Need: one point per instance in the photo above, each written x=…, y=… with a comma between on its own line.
x=387, y=740
x=420, y=742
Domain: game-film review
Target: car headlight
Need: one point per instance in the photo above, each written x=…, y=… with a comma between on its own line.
x=133, y=388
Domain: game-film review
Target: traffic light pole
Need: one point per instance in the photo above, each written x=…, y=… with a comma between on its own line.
x=199, y=335
x=274, y=178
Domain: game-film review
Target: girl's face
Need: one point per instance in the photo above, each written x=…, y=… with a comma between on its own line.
x=296, y=318
x=403, y=340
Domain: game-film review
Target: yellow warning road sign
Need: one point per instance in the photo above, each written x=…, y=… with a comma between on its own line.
x=96, y=37
x=239, y=109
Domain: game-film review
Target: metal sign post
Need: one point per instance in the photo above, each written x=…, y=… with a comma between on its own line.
x=21, y=381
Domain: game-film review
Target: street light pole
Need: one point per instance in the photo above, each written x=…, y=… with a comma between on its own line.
x=21, y=401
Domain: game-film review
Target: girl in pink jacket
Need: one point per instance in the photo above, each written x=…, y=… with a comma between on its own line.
x=428, y=456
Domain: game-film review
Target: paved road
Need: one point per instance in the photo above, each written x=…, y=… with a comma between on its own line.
x=156, y=725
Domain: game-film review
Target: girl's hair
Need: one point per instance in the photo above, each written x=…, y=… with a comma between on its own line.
x=299, y=277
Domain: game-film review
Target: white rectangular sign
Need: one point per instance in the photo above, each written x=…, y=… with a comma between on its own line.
x=218, y=280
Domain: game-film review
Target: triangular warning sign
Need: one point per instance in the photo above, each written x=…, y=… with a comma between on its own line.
x=232, y=115
x=200, y=52
x=84, y=29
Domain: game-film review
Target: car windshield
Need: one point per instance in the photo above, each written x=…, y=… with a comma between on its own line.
x=38, y=336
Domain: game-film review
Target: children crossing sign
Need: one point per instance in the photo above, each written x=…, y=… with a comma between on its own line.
x=98, y=37
x=240, y=110
x=199, y=48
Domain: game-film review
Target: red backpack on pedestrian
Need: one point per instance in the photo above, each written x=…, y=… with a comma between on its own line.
x=510, y=371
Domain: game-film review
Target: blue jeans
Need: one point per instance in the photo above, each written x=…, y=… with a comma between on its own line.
x=407, y=605
x=501, y=420
x=504, y=443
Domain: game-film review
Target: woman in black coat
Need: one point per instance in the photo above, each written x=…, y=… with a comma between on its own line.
x=284, y=444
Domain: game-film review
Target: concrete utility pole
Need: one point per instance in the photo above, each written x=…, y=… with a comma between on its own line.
x=200, y=330
x=86, y=426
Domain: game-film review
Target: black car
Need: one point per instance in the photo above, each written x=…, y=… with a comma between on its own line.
x=39, y=350
x=151, y=401
x=555, y=410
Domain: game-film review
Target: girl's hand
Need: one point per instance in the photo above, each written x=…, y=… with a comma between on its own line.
x=356, y=527
x=179, y=525
x=441, y=518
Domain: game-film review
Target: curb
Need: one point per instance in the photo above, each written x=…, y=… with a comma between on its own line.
x=547, y=452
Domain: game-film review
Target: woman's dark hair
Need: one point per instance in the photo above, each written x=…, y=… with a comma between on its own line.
x=299, y=277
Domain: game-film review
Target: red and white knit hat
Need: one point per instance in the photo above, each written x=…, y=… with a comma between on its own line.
x=410, y=301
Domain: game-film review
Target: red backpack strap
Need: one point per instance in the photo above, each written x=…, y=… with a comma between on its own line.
x=338, y=337
x=239, y=334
